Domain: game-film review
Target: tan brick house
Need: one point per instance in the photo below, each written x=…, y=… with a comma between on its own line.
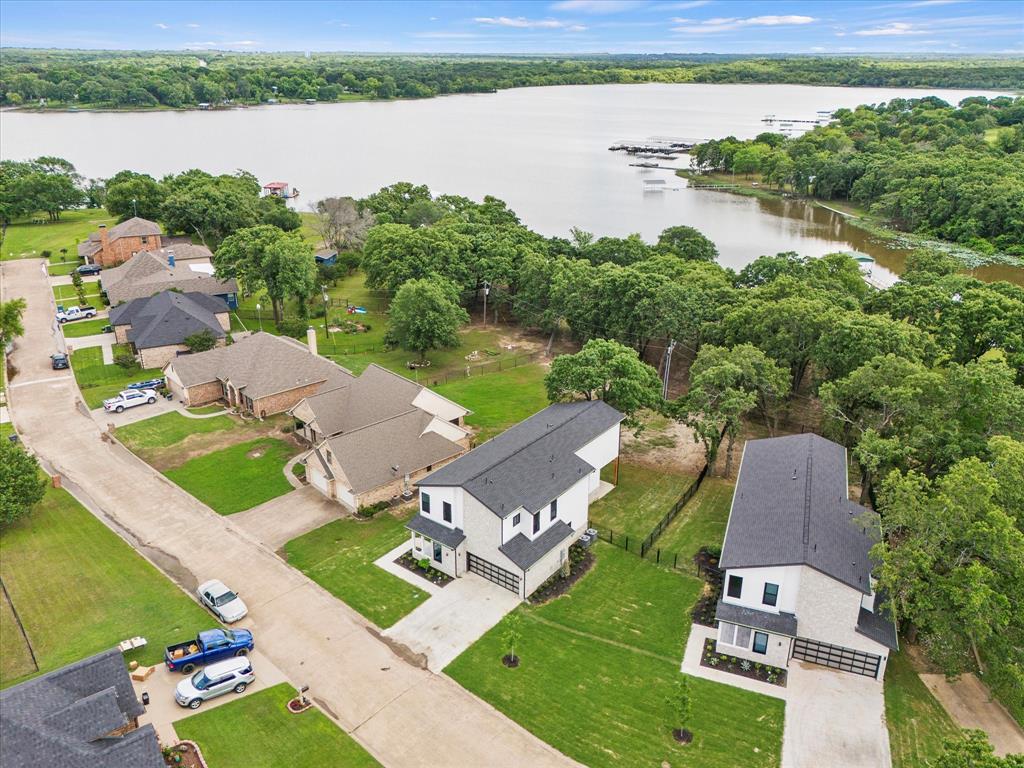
x=179, y=266
x=157, y=326
x=113, y=246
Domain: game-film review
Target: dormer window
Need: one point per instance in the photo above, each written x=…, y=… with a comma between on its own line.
x=771, y=594
x=425, y=502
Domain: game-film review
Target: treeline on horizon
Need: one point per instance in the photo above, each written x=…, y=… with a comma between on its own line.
x=138, y=80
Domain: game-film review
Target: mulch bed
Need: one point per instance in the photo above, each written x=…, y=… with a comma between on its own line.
x=725, y=662
x=703, y=612
x=185, y=755
x=432, y=575
x=580, y=561
x=295, y=706
x=510, y=661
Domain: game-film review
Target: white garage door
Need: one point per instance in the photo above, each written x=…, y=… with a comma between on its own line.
x=318, y=479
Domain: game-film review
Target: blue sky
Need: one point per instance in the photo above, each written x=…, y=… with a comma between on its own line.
x=529, y=26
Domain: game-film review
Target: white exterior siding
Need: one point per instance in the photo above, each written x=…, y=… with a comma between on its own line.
x=739, y=641
x=602, y=450
x=438, y=496
x=446, y=429
x=453, y=563
x=787, y=577
x=573, y=508
x=433, y=403
x=546, y=567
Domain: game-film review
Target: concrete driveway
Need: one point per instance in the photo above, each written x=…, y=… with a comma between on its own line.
x=452, y=619
x=389, y=706
x=280, y=520
x=132, y=415
x=833, y=718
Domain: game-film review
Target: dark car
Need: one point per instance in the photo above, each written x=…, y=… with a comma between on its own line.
x=148, y=384
x=59, y=361
x=89, y=269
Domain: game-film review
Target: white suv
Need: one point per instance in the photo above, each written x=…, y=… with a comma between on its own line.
x=230, y=675
x=129, y=398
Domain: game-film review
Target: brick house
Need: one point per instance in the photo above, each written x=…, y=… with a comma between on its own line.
x=372, y=437
x=158, y=325
x=84, y=714
x=797, y=566
x=180, y=266
x=261, y=374
x=113, y=246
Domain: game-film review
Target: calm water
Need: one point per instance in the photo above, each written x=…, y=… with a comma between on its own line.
x=542, y=150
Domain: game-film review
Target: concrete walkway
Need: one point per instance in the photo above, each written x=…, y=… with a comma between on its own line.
x=971, y=705
x=105, y=341
x=66, y=279
x=453, y=618
x=144, y=412
x=387, y=562
x=289, y=475
x=278, y=521
x=691, y=666
x=391, y=707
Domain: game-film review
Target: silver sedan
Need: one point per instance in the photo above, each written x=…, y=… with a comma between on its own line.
x=225, y=604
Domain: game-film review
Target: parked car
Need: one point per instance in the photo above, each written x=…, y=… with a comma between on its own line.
x=108, y=329
x=59, y=361
x=214, y=680
x=210, y=645
x=74, y=313
x=89, y=269
x=225, y=604
x=148, y=384
x=129, y=398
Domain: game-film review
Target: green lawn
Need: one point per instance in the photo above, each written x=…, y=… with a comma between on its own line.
x=143, y=437
x=92, y=301
x=25, y=240
x=98, y=381
x=15, y=657
x=339, y=557
x=239, y=477
x=81, y=328
x=64, y=292
x=700, y=522
x=256, y=731
x=917, y=722
x=80, y=589
x=499, y=400
x=57, y=268
x=206, y=409
x=641, y=498
x=598, y=665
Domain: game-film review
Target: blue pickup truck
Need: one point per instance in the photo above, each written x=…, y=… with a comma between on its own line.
x=209, y=646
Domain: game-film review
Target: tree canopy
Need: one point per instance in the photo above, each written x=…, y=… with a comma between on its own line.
x=425, y=315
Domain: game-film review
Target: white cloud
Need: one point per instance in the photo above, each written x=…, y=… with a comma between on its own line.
x=893, y=29
x=192, y=26
x=595, y=6
x=681, y=6
x=928, y=3
x=161, y=25
x=521, y=22
x=725, y=24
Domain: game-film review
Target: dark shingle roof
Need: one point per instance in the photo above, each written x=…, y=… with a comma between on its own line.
x=133, y=227
x=777, y=623
x=790, y=507
x=524, y=553
x=64, y=718
x=879, y=626
x=534, y=461
x=450, y=537
x=169, y=318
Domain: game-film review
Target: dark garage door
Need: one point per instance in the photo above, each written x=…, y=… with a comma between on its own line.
x=491, y=572
x=836, y=657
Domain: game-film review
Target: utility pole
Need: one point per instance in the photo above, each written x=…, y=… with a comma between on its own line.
x=667, y=368
x=487, y=289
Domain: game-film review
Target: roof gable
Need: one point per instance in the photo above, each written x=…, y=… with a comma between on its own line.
x=169, y=318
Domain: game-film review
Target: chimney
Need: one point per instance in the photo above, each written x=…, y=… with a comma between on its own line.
x=170, y=259
x=104, y=239
x=311, y=340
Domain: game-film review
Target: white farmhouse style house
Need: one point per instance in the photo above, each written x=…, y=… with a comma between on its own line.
x=797, y=571
x=509, y=509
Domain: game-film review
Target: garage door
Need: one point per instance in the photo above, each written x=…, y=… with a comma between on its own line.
x=491, y=572
x=318, y=479
x=836, y=657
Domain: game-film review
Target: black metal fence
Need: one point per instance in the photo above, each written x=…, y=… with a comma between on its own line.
x=648, y=542
x=479, y=369
x=636, y=545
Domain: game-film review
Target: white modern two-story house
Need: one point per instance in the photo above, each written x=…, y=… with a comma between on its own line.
x=797, y=571
x=509, y=509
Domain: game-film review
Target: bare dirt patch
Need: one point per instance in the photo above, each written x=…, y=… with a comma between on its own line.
x=201, y=444
x=664, y=444
x=970, y=704
x=255, y=453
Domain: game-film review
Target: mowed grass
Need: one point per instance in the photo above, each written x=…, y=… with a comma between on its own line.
x=98, y=381
x=339, y=557
x=701, y=522
x=146, y=437
x=27, y=240
x=68, y=292
x=15, y=657
x=237, y=478
x=80, y=328
x=594, y=685
x=80, y=589
x=641, y=498
x=56, y=268
x=917, y=722
x=257, y=731
x=499, y=400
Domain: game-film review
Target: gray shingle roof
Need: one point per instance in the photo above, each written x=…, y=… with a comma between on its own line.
x=133, y=227
x=790, y=507
x=533, y=462
x=148, y=272
x=64, y=718
x=376, y=394
x=777, y=623
x=450, y=537
x=879, y=626
x=169, y=318
x=524, y=553
x=259, y=365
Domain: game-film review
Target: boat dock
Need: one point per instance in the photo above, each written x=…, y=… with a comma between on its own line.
x=655, y=146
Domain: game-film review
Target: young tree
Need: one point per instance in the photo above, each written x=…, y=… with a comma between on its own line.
x=605, y=370
x=425, y=315
x=79, y=286
x=714, y=403
x=511, y=637
x=200, y=342
x=11, y=326
x=21, y=486
x=680, y=704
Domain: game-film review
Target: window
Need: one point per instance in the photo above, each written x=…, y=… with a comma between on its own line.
x=446, y=511
x=554, y=509
x=735, y=586
x=536, y=522
x=771, y=594
x=437, y=552
x=760, y=642
x=515, y=519
x=425, y=502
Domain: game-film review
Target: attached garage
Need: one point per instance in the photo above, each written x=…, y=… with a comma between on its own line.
x=837, y=657
x=492, y=572
x=318, y=479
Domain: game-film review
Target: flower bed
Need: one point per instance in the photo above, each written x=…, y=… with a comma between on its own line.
x=186, y=754
x=725, y=662
x=580, y=561
x=428, y=572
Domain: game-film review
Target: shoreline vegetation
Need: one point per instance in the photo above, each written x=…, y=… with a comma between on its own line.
x=67, y=80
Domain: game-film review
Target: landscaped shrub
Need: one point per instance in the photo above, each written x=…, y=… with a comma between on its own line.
x=294, y=328
x=370, y=510
x=125, y=360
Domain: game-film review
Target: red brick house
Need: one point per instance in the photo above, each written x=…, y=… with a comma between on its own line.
x=110, y=247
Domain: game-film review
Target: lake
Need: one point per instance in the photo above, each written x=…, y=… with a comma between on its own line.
x=542, y=150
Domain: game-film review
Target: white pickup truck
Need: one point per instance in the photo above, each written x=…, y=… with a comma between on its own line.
x=75, y=313
x=129, y=398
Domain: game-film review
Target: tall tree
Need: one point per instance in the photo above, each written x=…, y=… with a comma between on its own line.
x=11, y=326
x=21, y=484
x=341, y=223
x=425, y=314
x=135, y=195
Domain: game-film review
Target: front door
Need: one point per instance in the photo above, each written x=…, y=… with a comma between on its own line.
x=437, y=552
